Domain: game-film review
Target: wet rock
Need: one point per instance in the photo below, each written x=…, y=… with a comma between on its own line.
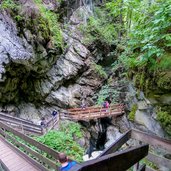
x=112, y=135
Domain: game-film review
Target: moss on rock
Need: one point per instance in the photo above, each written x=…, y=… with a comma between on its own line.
x=164, y=80
x=165, y=119
x=131, y=115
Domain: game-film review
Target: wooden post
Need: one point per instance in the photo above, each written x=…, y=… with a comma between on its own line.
x=136, y=167
x=79, y=116
x=100, y=111
x=22, y=129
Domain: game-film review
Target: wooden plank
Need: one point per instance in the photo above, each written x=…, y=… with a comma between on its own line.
x=20, y=123
x=18, y=120
x=118, y=161
x=3, y=166
x=116, y=145
x=23, y=155
x=151, y=139
x=149, y=169
x=85, y=117
x=9, y=116
x=34, y=153
x=33, y=142
x=159, y=161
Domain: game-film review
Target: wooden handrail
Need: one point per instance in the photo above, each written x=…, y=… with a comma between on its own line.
x=12, y=118
x=117, y=161
x=151, y=139
x=33, y=142
x=94, y=107
x=25, y=125
x=40, y=157
x=29, y=159
x=159, y=161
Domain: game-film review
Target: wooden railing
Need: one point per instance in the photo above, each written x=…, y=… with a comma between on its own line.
x=155, y=142
x=9, y=136
x=116, y=161
x=27, y=126
x=93, y=112
x=152, y=140
x=110, y=159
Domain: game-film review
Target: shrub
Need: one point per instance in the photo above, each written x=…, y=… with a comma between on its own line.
x=51, y=19
x=165, y=119
x=63, y=140
x=131, y=115
x=9, y=4
x=99, y=70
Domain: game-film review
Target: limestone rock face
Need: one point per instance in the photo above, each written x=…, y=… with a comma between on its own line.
x=35, y=72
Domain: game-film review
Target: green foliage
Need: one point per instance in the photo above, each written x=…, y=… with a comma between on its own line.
x=99, y=29
x=150, y=36
x=72, y=129
x=105, y=93
x=165, y=62
x=165, y=119
x=99, y=70
x=63, y=140
x=51, y=19
x=150, y=164
x=9, y=4
x=131, y=115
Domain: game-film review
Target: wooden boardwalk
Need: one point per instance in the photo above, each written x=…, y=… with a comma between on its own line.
x=13, y=160
x=26, y=126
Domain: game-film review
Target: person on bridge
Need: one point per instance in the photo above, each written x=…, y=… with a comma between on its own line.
x=54, y=113
x=65, y=164
x=43, y=122
x=106, y=105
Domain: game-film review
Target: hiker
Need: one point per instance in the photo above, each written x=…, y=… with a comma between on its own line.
x=83, y=106
x=65, y=164
x=43, y=122
x=54, y=113
x=105, y=104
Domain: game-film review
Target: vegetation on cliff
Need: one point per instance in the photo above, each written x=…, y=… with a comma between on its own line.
x=143, y=30
x=64, y=140
x=37, y=18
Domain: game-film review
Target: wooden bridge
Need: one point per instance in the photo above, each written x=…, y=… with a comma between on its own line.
x=29, y=153
x=93, y=112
